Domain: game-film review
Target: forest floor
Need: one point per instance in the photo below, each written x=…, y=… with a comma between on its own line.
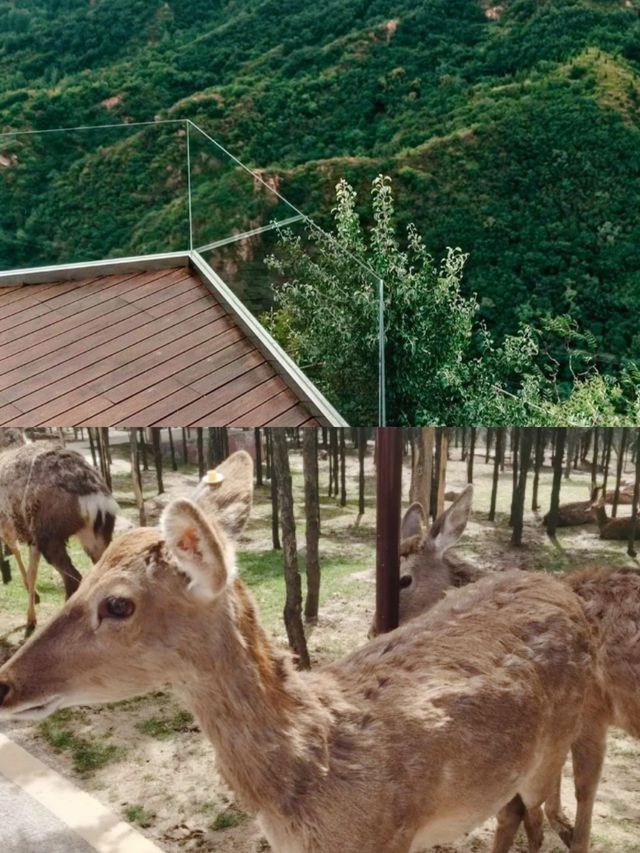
x=146, y=758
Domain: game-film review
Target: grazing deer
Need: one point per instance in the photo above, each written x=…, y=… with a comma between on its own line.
x=614, y=528
x=47, y=494
x=611, y=601
x=410, y=741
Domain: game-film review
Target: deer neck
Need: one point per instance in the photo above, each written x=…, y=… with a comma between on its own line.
x=601, y=515
x=268, y=726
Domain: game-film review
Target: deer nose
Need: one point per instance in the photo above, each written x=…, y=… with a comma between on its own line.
x=4, y=690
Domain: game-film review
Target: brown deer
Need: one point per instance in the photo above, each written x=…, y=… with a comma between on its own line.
x=47, y=494
x=408, y=742
x=614, y=528
x=611, y=601
x=576, y=512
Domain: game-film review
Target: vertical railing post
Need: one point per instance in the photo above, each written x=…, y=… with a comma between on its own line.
x=188, y=123
x=382, y=402
x=389, y=447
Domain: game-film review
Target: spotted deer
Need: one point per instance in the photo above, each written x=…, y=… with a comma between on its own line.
x=610, y=598
x=408, y=742
x=48, y=494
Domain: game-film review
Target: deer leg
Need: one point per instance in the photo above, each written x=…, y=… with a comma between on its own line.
x=509, y=819
x=55, y=552
x=588, y=757
x=32, y=576
x=534, y=827
x=560, y=823
x=13, y=547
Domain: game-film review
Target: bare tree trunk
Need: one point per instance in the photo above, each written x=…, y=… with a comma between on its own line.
x=172, y=450
x=619, y=466
x=312, y=514
x=157, y=457
x=496, y=472
x=185, y=448
x=552, y=523
x=423, y=469
x=537, y=465
x=472, y=454
x=293, y=603
x=200, y=443
x=92, y=447
x=362, y=450
x=526, y=443
x=606, y=461
x=275, y=509
x=143, y=448
x=594, y=462
x=343, y=470
x=258, y=445
x=442, y=470
x=103, y=453
x=5, y=567
x=489, y=440
x=515, y=447
x=631, y=550
x=388, y=501
x=136, y=479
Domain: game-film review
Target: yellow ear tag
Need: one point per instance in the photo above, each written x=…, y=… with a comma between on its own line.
x=214, y=478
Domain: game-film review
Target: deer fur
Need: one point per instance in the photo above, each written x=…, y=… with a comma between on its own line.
x=614, y=528
x=576, y=512
x=611, y=601
x=408, y=742
x=47, y=494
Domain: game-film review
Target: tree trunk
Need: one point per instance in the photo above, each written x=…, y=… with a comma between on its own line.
x=143, y=449
x=172, y=451
x=136, y=479
x=561, y=437
x=472, y=453
x=526, y=443
x=537, y=465
x=619, y=466
x=103, y=453
x=442, y=470
x=200, y=443
x=515, y=447
x=258, y=445
x=362, y=451
x=594, y=462
x=634, y=508
x=157, y=457
x=312, y=515
x=185, y=448
x=388, y=501
x=606, y=457
x=293, y=602
x=423, y=469
x=343, y=470
x=489, y=440
x=275, y=511
x=5, y=567
x=92, y=447
x=496, y=472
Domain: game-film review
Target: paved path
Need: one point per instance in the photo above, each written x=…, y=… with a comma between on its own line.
x=42, y=812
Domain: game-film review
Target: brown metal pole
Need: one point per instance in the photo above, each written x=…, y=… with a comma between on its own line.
x=388, y=502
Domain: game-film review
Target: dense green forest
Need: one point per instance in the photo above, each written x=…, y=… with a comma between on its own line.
x=511, y=131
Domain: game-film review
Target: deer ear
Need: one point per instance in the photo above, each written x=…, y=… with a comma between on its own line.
x=226, y=494
x=414, y=522
x=449, y=527
x=198, y=549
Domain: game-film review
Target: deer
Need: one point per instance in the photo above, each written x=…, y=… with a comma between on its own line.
x=610, y=598
x=614, y=528
x=409, y=741
x=576, y=512
x=49, y=493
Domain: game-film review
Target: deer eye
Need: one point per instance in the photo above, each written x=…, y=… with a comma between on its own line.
x=405, y=581
x=115, y=608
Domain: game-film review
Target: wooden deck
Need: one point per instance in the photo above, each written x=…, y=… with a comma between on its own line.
x=137, y=348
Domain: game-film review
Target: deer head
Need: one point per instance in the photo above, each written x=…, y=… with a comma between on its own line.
x=138, y=620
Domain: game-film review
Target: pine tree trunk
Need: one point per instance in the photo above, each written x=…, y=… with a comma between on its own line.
x=343, y=470
x=185, y=447
x=312, y=515
x=423, y=468
x=200, y=443
x=496, y=472
x=293, y=603
x=552, y=523
x=526, y=443
x=136, y=479
x=258, y=446
x=636, y=497
x=594, y=461
x=515, y=448
x=172, y=451
x=157, y=457
x=619, y=466
x=472, y=453
x=362, y=450
x=537, y=465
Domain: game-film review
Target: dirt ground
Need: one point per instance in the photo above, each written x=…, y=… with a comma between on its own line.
x=146, y=758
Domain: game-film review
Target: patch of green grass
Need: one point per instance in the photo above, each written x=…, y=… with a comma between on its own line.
x=140, y=816
x=227, y=819
x=164, y=728
x=87, y=755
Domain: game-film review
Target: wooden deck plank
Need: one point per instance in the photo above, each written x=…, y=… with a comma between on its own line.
x=144, y=348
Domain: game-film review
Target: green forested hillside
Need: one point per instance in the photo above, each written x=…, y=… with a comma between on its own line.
x=510, y=130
